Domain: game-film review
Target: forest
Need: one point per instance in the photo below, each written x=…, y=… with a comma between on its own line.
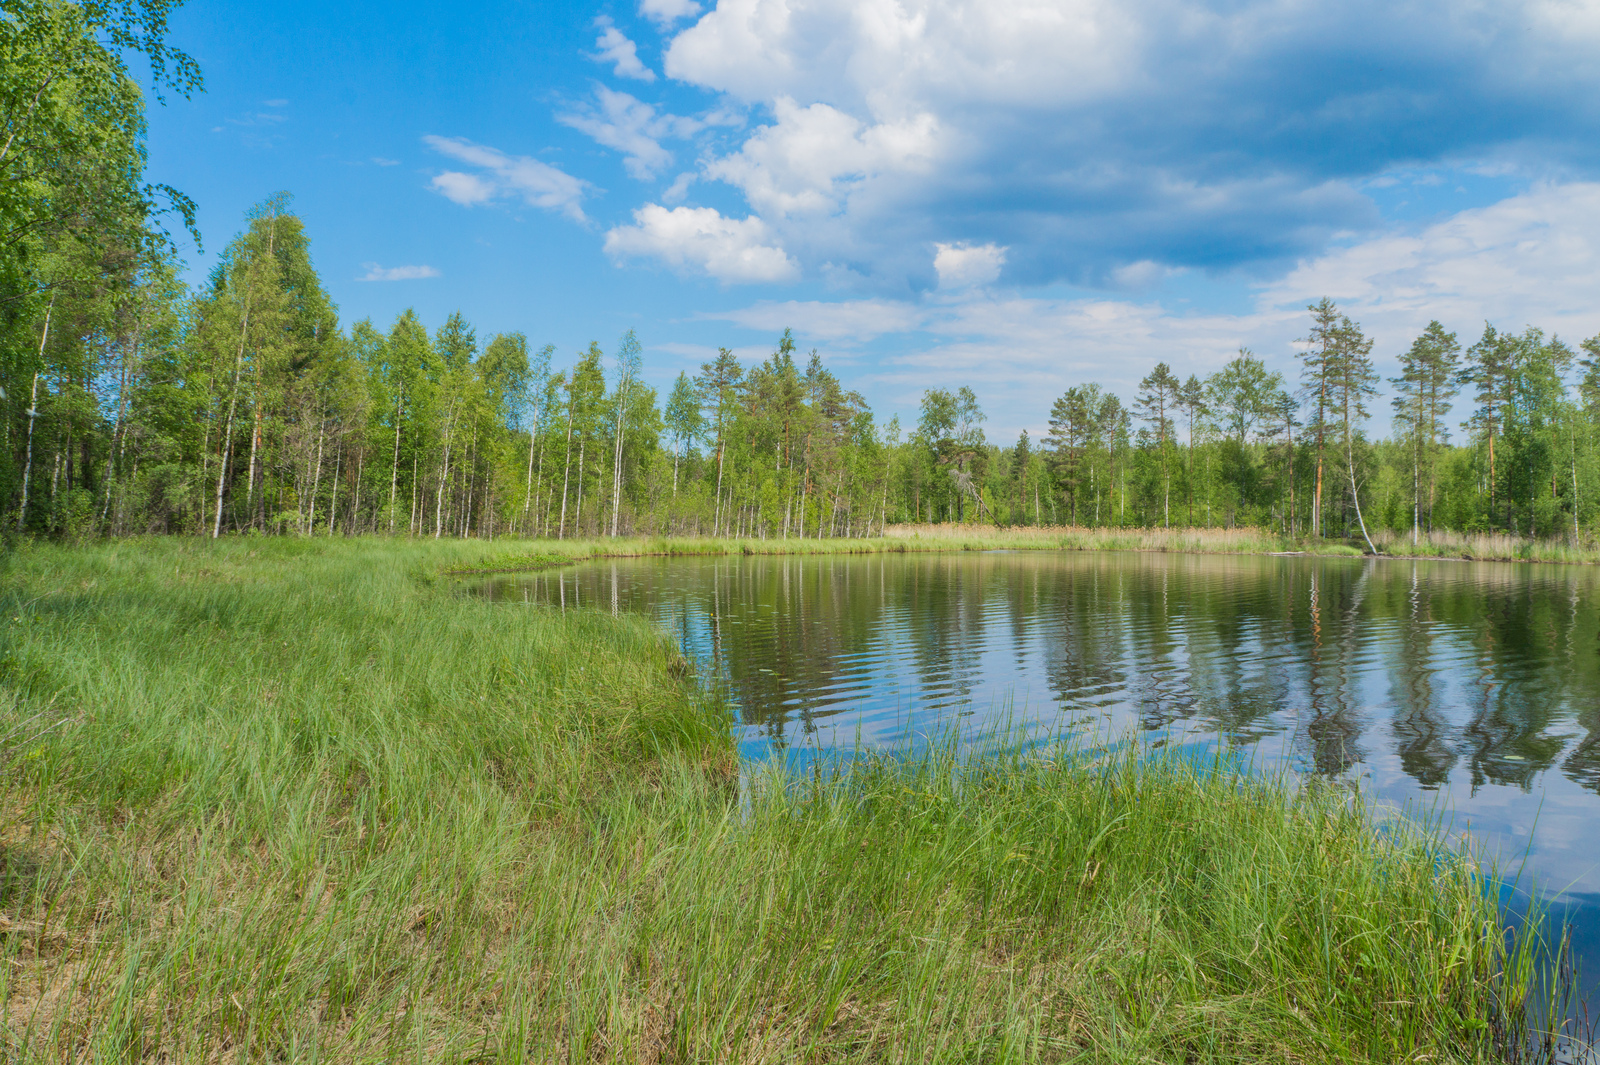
x=135, y=404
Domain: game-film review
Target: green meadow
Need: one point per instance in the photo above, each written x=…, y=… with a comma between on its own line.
x=303, y=800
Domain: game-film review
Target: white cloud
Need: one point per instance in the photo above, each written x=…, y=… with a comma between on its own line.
x=1087, y=135
x=378, y=160
x=964, y=265
x=679, y=188
x=396, y=273
x=666, y=12
x=464, y=189
x=1531, y=259
x=632, y=127
x=732, y=250
x=855, y=321
x=501, y=175
x=811, y=158
x=1142, y=274
x=614, y=47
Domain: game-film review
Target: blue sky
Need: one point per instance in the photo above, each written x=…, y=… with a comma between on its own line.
x=1008, y=194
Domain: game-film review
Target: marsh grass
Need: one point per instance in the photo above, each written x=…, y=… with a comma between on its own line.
x=309, y=804
x=1490, y=547
x=1237, y=541
x=905, y=539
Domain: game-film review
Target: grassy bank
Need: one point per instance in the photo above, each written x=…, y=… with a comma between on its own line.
x=526, y=554
x=301, y=801
x=1483, y=547
x=1242, y=541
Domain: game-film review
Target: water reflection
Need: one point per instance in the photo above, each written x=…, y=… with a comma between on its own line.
x=1474, y=683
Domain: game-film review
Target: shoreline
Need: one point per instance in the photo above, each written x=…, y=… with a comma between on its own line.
x=956, y=539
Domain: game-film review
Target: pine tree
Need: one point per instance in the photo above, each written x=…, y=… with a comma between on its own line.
x=1428, y=381
x=1158, y=400
x=1318, y=368
x=1489, y=370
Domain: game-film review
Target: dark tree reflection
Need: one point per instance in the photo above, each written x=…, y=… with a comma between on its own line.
x=1491, y=670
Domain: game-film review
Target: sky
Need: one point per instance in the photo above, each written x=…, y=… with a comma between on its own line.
x=1013, y=195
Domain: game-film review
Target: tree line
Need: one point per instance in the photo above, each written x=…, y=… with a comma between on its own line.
x=133, y=404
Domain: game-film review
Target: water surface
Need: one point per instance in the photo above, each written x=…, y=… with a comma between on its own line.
x=1474, y=687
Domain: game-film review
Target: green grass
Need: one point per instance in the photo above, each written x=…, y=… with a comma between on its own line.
x=306, y=801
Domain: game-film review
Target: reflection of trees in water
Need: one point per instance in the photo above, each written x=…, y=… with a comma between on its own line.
x=1582, y=654
x=788, y=625
x=1421, y=729
x=1238, y=627
x=1330, y=732
x=1463, y=664
x=1514, y=698
x=942, y=598
x=1082, y=643
x=1159, y=685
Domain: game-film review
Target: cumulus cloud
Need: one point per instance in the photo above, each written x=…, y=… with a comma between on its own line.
x=396, y=273
x=666, y=12
x=502, y=176
x=964, y=265
x=1103, y=141
x=615, y=48
x=810, y=158
x=701, y=239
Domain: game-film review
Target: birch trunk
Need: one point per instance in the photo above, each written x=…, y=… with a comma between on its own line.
x=115, y=452
x=394, y=466
x=444, y=474
x=333, y=498
x=616, y=457
x=566, y=475
x=233, y=403
x=527, y=491
x=1350, y=465
x=316, y=482
x=33, y=413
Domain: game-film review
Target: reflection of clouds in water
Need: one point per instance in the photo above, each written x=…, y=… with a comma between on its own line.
x=1467, y=683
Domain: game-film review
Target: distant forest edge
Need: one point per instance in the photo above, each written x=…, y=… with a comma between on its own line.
x=134, y=405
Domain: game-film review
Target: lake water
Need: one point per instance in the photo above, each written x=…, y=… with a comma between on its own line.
x=1472, y=687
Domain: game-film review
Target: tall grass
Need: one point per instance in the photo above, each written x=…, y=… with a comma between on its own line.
x=1237, y=541
x=1498, y=547
x=913, y=538
x=971, y=537
x=304, y=802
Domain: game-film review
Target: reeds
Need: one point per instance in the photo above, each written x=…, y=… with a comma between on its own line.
x=1236, y=541
x=311, y=804
x=1496, y=547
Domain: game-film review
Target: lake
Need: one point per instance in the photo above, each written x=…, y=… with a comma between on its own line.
x=1472, y=688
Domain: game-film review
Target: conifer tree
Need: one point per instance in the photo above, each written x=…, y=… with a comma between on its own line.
x=1156, y=404
x=1428, y=381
